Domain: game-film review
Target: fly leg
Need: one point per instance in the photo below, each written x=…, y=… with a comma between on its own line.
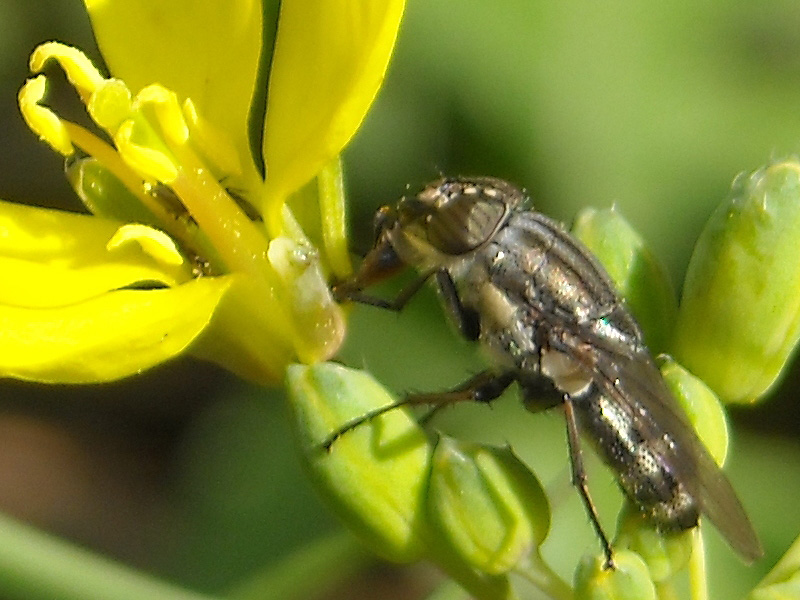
x=483, y=387
x=466, y=319
x=352, y=292
x=579, y=479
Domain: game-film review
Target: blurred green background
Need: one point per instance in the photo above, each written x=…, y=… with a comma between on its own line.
x=654, y=107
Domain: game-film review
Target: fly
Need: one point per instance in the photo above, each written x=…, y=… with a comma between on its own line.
x=551, y=319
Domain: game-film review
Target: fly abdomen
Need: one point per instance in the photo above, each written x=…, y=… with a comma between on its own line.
x=636, y=460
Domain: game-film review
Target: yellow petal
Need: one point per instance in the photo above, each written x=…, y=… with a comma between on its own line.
x=48, y=235
x=36, y=285
x=212, y=144
x=52, y=258
x=112, y=336
x=207, y=51
x=329, y=61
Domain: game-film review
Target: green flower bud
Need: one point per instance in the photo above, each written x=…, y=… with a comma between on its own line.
x=701, y=405
x=630, y=580
x=640, y=277
x=785, y=590
x=374, y=476
x=739, y=318
x=489, y=507
x=105, y=195
x=783, y=581
x=664, y=553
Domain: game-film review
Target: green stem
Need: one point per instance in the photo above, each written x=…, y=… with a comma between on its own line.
x=449, y=590
x=38, y=566
x=698, y=586
x=479, y=585
x=331, y=560
x=332, y=214
x=666, y=591
x=539, y=573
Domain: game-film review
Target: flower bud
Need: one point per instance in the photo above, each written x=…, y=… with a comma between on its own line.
x=489, y=507
x=629, y=580
x=783, y=581
x=639, y=276
x=104, y=194
x=739, y=318
x=375, y=475
x=665, y=553
x=701, y=406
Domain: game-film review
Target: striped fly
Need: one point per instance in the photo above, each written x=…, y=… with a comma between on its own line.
x=552, y=321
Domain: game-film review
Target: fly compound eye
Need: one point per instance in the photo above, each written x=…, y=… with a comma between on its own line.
x=462, y=215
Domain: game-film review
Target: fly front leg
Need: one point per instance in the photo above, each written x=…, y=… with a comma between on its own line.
x=579, y=479
x=349, y=291
x=483, y=387
x=466, y=319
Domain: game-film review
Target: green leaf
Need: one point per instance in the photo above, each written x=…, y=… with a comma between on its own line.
x=783, y=581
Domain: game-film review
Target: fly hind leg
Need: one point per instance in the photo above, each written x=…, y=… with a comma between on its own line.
x=483, y=387
x=579, y=479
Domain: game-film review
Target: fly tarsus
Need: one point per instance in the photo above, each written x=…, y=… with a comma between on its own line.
x=483, y=387
x=357, y=422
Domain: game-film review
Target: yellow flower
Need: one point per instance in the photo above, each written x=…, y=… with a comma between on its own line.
x=216, y=222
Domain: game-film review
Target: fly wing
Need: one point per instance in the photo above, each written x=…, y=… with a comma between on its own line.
x=631, y=379
x=573, y=303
